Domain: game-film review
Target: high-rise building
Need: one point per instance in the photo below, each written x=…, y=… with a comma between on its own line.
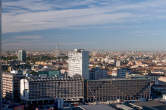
x=11, y=86
x=78, y=63
x=22, y=55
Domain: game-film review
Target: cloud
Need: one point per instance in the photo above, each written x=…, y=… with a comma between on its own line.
x=35, y=42
x=31, y=15
x=14, y=6
x=22, y=41
x=58, y=19
x=32, y=37
x=26, y=5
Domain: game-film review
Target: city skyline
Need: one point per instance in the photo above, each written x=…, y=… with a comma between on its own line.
x=108, y=24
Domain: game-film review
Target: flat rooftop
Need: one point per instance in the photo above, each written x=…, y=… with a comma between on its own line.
x=152, y=105
x=97, y=107
x=113, y=79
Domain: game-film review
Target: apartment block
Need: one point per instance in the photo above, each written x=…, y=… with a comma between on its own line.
x=113, y=89
x=40, y=89
x=11, y=86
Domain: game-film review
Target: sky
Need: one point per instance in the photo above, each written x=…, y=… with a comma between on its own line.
x=89, y=24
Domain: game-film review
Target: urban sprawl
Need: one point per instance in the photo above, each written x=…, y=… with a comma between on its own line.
x=83, y=80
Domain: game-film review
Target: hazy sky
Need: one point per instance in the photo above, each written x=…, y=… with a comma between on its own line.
x=98, y=24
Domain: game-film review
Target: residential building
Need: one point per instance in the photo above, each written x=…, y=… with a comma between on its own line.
x=45, y=89
x=97, y=73
x=155, y=78
x=117, y=89
x=11, y=86
x=123, y=72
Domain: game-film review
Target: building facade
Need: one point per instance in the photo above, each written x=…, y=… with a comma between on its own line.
x=123, y=72
x=78, y=63
x=0, y=85
x=41, y=89
x=113, y=89
x=11, y=86
x=97, y=73
x=21, y=55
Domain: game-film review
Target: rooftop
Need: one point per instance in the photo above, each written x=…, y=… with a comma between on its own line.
x=140, y=78
x=152, y=105
x=97, y=107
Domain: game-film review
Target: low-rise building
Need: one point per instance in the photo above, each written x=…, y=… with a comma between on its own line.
x=114, y=89
x=123, y=72
x=97, y=73
x=41, y=89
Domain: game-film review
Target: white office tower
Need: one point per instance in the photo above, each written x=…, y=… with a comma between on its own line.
x=78, y=63
x=22, y=55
